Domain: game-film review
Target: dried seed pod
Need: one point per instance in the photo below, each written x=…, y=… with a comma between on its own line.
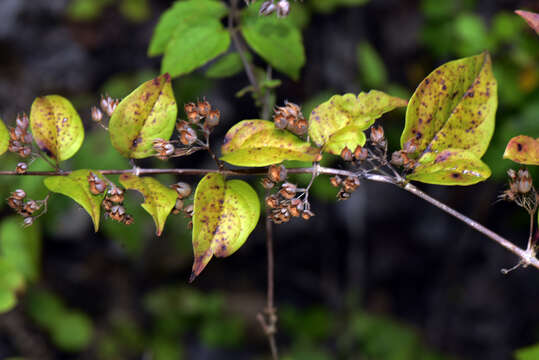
x=97, y=185
x=335, y=181
x=267, y=8
x=183, y=189
x=397, y=158
x=22, y=121
x=277, y=173
x=346, y=154
x=212, y=119
x=128, y=220
x=283, y=8
x=360, y=153
x=25, y=152
x=377, y=134
x=107, y=204
x=97, y=115
x=190, y=107
x=301, y=127
x=30, y=207
x=117, y=212
x=512, y=174
x=14, y=203
x=272, y=201
x=18, y=194
x=296, y=207
x=28, y=221
x=115, y=194
x=343, y=195
x=188, y=136
x=307, y=214
x=189, y=210
x=524, y=181
x=280, y=121
x=203, y=108
x=351, y=183
x=21, y=168
x=193, y=117
x=178, y=207
x=182, y=125
x=267, y=183
x=288, y=190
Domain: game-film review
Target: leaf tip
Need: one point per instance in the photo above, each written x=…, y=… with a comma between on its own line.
x=192, y=277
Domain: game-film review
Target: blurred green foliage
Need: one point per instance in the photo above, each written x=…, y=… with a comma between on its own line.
x=91, y=10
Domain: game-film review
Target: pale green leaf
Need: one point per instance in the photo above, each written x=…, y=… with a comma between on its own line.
x=4, y=137
x=148, y=113
x=159, y=200
x=371, y=66
x=523, y=150
x=226, y=66
x=348, y=137
x=56, y=126
x=259, y=143
x=528, y=353
x=76, y=186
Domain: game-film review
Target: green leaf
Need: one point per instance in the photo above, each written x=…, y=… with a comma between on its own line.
x=11, y=282
x=228, y=65
x=224, y=216
x=159, y=200
x=528, y=353
x=349, y=136
x=182, y=13
x=278, y=42
x=4, y=137
x=349, y=111
x=21, y=247
x=56, y=126
x=73, y=331
x=259, y=143
x=523, y=149
x=8, y=300
x=76, y=186
x=451, y=167
x=531, y=18
x=371, y=66
x=193, y=45
x=453, y=108
x=148, y=113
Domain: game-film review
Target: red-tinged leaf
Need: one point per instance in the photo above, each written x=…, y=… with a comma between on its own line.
x=523, y=150
x=531, y=18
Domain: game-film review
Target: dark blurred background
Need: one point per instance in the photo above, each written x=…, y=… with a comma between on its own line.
x=382, y=276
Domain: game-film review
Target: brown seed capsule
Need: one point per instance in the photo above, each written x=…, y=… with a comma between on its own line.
x=296, y=207
x=301, y=127
x=117, y=213
x=280, y=121
x=30, y=207
x=267, y=183
x=397, y=158
x=190, y=107
x=25, y=152
x=189, y=210
x=318, y=157
x=343, y=195
x=97, y=185
x=128, y=220
x=107, y=204
x=335, y=181
x=203, y=108
x=21, y=168
x=272, y=202
x=212, y=120
x=350, y=184
x=267, y=8
x=193, y=117
x=15, y=204
x=18, y=194
x=115, y=194
x=409, y=146
x=346, y=154
x=178, y=207
x=288, y=191
x=22, y=121
x=28, y=221
x=188, y=136
x=97, y=115
x=277, y=173
x=183, y=189
x=524, y=181
x=512, y=174
x=307, y=214
x=377, y=134
x=360, y=153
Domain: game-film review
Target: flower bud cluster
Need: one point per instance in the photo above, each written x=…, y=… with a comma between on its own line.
x=347, y=186
x=20, y=139
x=113, y=205
x=183, y=190
x=290, y=117
x=24, y=207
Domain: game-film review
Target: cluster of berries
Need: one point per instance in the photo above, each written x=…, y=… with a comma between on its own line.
x=20, y=139
x=284, y=204
x=282, y=8
x=107, y=105
x=347, y=186
x=114, y=198
x=27, y=208
x=291, y=118
x=183, y=190
x=401, y=157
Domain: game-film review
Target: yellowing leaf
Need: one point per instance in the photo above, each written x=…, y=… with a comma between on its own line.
x=56, y=126
x=4, y=137
x=453, y=109
x=342, y=111
x=259, y=143
x=76, y=186
x=523, y=150
x=148, y=113
x=451, y=167
x=159, y=200
x=349, y=136
x=225, y=213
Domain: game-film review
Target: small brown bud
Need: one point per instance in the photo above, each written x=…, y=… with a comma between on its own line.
x=267, y=183
x=397, y=158
x=14, y=203
x=97, y=115
x=117, y=212
x=212, y=120
x=280, y=121
x=21, y=168
x=351, y=183
x=183, y=189
x=128, y=220
x=336, y=181
x=318, y=157
x=277, y=173
x=25, y=152
x=307, y=214
x=346, y=154
x=360, y=153
x=288, y=190
x=203, y=108
x=22, y=121
x=107, y=204
x=30, y=207
x=272, y=201
x=377, y=134
x=115, y=194
x=188, y=136
x=301, y=127
x=193, y=117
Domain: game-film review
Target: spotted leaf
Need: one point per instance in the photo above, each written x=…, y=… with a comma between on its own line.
x=76, y=186
x=349, y=111
x=453, y=108
x=56, y=126
x=531, y=18
x=4, y=137
x=225, y=213
x=148, y=113
x=451, y=167
x=159, y=200
x=523, y=150
x=260, y=143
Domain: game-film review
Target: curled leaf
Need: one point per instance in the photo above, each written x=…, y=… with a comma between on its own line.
x=259, y=143
x=453, y=108
x=531, y=18
x=148, y=113
x=343, y=113
x=56, y=126
x=523, y=150
x=4, y=137
x=159, y=200
x=76, y=186
x=225, y=213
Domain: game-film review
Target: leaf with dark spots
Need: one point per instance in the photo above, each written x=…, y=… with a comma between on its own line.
x=56, y=126
x=4, y=137
x=225, y=213
x=159, y=200
x=531, y=18
x=453, y=108
x=76, y=186
x=148, y=113
x=451, y=167
x=348, y=112
x=523, y=150
x=260, y=143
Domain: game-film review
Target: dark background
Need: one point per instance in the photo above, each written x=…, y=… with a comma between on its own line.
x=381, y=276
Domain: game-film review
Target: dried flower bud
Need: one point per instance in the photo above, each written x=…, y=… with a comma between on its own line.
x=203, y=108
x=190, y=107
x=25, y=152
x=301, y=127
x=360, y=153
x=22, y=121
x=21, y=168
x=97, y=185
x=115, y=194
x=267, y=8
x=117, y=212
x=189, y=210
x=183, y=189
x=524, y=181
x=30, y=207
x=350, y=184
x=346, y=154
x=512, y=174
x=409, y=146
x=296, y=207
x=280, y=121
x=377, y=134
x=212, y=119
x=193, y=117
x=19, y=194
x=28, y=221
x=343, y=195
x=283, y=8
x=14, y=203
x=97, y=115
x=128, y=220
x=267, y=183
x=188, y=136
x=277, y=173
x=178, y=206
x=335, y=181
x=307, y=214
x=288, y=190
x=272, y=201
x=398, y=158
x=107, y=204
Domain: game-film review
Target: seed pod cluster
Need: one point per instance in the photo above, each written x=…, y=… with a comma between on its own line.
x=359, y=154
x=113, y=205
x=202, y=112
x=24, y=207
x=107, y=104
x=20, y=139
x=183, y=190
x=97, y=185
x=285, y=205
x=401, y=158
x=276, y=174
x=347, y=186
x=291, y=118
